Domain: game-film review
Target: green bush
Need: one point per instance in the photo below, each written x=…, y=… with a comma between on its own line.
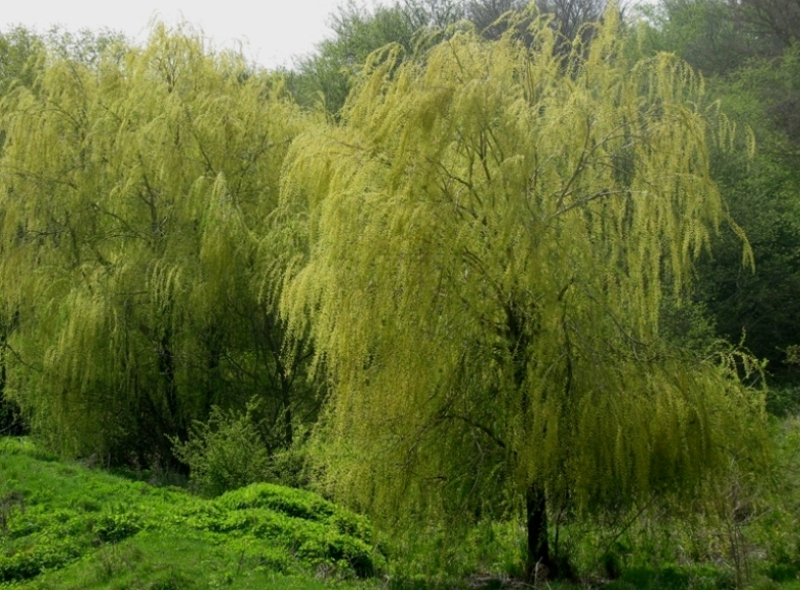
x=783, y=401
x=292, y=502
x=113, y=527
x=224, y=453
x=23, y=563
x=317, y=531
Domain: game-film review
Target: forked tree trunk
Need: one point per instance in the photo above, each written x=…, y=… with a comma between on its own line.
x=538, y=563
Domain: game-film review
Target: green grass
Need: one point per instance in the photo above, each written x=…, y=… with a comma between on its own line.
x=64, y=526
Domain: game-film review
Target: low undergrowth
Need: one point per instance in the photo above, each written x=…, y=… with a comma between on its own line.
x=63, y=525
x=742, y=531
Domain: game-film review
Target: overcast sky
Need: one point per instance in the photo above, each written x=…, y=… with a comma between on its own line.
x=273, y=31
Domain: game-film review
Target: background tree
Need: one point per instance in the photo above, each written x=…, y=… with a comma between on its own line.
x=19, y=49
x=489, y=239
x=755, y=75
x=22, y=58
x=764, y=196
x=570, y=16
x=777, y=21
x=702, y=32
x=326, y=75
x=134, y=193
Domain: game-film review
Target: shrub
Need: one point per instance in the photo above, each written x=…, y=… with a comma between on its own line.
x=292, y=502
x=224, y=453
x=113, y=527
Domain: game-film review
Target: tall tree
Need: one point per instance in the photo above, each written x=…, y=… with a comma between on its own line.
x=19, y=49
x=489, y=238
x=22, y=60
x=134, y=193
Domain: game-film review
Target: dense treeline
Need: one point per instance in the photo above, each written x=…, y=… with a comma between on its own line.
x=440, y=259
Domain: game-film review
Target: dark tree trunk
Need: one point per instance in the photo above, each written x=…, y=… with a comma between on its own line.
x=10, y=417
x=213, y=387
x=538, y=563
x=166, y=367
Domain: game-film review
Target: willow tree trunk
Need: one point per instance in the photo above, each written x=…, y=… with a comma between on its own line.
x=166, y=367
x=538, y=563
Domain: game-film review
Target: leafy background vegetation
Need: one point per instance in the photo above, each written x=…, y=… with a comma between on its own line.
x=516, y=284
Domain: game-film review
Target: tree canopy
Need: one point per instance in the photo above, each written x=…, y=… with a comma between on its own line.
x=134, y=190
x=490, y=234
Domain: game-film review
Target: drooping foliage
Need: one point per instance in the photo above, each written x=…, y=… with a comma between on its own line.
x=326, y=77
x=754, y=71
x=490, y=233
x=18, y=49
x=134, y=193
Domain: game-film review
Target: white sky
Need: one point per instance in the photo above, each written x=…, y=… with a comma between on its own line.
x=273, y=31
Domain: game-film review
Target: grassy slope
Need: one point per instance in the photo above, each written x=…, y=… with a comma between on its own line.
x=63, y=526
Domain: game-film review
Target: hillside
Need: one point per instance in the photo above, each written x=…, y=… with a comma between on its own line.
x=63, y=525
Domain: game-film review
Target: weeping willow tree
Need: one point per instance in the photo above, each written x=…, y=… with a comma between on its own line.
x=133, y=197
x=489, y=235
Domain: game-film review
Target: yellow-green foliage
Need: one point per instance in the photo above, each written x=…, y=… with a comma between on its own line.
x=133, y=198
x=489, y=233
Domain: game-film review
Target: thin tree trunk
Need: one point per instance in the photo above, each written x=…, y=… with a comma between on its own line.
x=166, y=366
x=10, y=419
x=213, y=342
x=538, y=562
